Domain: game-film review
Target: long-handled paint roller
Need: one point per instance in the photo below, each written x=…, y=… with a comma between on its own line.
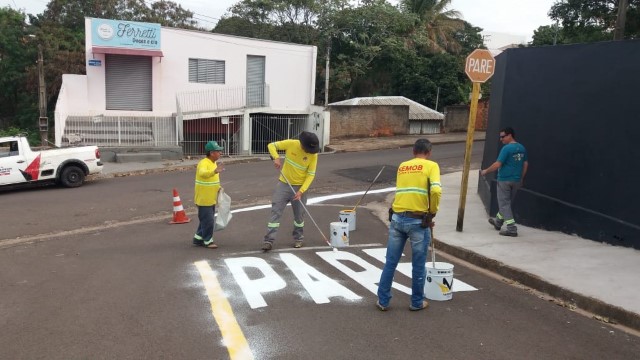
x=369, y=188
x=308, y=213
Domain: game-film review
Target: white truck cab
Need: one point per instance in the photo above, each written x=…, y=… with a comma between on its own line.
x=66, y=166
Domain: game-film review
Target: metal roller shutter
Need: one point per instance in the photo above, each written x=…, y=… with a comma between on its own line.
x=128, y=82
x=255, y=80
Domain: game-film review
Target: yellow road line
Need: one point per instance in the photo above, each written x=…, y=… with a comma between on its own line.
x=232, y=335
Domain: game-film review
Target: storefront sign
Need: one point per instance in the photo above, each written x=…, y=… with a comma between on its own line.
x=125, y=34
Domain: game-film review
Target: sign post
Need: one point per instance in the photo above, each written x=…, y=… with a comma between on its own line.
x=479, y=67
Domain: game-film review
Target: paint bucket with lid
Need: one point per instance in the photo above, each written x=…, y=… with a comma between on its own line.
x=349, y=217
x=339, y=234
x=439, y=281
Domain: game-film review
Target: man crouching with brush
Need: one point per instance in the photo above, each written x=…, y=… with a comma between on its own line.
x=418, y=192
x=296, y=174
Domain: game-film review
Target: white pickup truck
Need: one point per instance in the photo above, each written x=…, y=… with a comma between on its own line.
x=68, y=167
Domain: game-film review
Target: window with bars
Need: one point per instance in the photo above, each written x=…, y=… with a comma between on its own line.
x=206, y=71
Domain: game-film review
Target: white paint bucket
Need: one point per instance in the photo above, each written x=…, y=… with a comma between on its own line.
x=439, y=281
x=349, y=217
x=339, y=234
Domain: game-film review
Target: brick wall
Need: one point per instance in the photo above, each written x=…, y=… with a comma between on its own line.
x=368, y=120
x=457, y=117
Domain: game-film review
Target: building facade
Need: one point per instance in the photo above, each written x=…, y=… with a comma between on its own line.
x=153, y=86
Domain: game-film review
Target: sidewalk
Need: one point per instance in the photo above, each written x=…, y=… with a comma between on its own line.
x=592, y=276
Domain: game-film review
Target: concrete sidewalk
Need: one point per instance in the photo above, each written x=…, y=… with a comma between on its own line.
x=599, y=278
x=596, y=277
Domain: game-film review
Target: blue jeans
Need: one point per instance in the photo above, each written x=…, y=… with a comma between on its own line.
x=401, y=229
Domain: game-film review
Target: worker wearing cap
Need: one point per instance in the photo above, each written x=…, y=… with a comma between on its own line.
x=206, y=194
x=298, y=169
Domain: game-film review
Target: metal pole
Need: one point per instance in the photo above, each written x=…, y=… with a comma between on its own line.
x=437, y=98
x=326, y=74
x=43, y=121
x=467, y=154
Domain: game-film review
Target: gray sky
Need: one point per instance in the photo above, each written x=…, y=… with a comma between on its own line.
x=517, y=17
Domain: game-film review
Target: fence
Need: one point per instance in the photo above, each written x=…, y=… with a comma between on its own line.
x=225, y=130
x=120, y=130
x=266, y=128
x=221, y=99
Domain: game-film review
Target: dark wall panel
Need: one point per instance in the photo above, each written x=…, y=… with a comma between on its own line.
x=575, y=108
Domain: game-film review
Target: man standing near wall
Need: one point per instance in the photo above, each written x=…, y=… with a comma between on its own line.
x=299, y=170
x=512, y=165
x=416, y=202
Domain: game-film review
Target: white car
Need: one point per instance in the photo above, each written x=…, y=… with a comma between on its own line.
x=66, y=166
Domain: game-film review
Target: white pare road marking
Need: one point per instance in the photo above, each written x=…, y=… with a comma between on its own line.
x=232, y=336
x=252, y=289
x=319, y=286
x=369, y=277
x=405, y=269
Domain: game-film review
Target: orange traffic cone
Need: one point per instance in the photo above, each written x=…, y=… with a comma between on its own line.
x=179, y=216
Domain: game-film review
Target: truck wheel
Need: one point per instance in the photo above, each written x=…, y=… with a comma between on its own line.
x=72, y=176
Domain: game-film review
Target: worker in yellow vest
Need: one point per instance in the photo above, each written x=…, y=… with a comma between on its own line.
x=299, y=170
x=206, y=194
x=416, y=202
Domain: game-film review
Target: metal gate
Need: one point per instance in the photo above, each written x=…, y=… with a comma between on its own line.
x=225, y=130
x=266, y=128
x=128, y=82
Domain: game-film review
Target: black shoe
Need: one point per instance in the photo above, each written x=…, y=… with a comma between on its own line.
x=297, y=244
x=508, y=232
x=197, y=242
x=497, y=224
x=267, y=246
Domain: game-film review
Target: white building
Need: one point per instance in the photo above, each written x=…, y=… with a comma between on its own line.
x=153, y=86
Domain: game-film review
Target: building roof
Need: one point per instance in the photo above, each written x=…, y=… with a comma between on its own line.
x=416, y=111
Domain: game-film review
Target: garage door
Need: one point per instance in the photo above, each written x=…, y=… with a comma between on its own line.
x=128, y=82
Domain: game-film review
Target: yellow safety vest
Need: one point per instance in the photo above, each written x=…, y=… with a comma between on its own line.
x=411, y=186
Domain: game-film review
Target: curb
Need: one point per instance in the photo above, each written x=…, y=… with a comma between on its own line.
x=400, y=146
x=610, y=313
x=169, y=169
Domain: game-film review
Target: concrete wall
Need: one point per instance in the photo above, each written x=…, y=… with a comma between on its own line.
x=368, y=120
x=289, y=70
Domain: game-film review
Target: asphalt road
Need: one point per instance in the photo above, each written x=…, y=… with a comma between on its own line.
x=131, y=286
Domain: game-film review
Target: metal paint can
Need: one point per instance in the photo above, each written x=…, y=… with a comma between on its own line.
x=339, y=234
x=349, y=217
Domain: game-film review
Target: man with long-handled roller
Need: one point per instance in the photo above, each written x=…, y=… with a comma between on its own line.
x=296, y=175
x=416, y=202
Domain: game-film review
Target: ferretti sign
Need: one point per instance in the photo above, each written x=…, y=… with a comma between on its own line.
x=125, y=34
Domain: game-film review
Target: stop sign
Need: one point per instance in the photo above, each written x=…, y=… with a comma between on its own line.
x=480, y=65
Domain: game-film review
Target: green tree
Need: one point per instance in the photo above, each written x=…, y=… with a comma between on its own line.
x=438, y=21
x=594, y=20
x=17, y=54
x=547, y=35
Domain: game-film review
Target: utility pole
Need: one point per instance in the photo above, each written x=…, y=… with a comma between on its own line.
x=326, y=74
x=621, y=19
x=43, y=121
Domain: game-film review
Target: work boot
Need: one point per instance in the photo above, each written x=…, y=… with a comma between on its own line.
x=297, y=244
x=267, y=246
x=198, y=242
x=497, y=223
x=424, y=305
x=509, y=231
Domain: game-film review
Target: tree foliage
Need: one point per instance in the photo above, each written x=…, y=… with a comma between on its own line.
x=587, y=21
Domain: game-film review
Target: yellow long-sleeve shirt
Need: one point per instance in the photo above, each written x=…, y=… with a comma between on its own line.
x=411, y=186
x=207, y=183
x=299, y=166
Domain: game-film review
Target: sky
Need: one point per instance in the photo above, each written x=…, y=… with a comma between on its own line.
x=515, y=17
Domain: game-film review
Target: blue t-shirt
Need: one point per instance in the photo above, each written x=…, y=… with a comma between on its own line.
x=512, y=156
